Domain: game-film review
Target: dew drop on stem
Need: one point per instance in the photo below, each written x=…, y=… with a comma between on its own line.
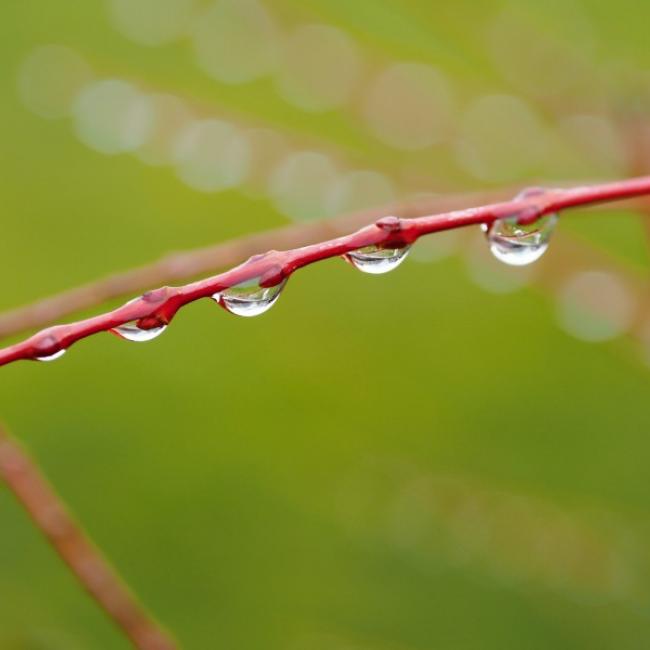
x=376, y=260
x=249, y=298
x=131, y=332
x=519, y=244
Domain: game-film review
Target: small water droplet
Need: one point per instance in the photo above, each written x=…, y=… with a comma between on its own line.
x=376, y=260
x=249, y=298
x=131, y=332
x=52, y=357
x=520, y=244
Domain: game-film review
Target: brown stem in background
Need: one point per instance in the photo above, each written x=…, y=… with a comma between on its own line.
x=49, y=514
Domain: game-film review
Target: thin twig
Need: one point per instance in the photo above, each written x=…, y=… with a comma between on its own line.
x=184, y=265
x=187, y=264
x=155, y=309
x=49, y=514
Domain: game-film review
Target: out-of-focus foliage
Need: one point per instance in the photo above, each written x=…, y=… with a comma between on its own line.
x=379, y=463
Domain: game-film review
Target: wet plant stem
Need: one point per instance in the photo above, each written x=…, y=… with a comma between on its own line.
x=158, y=307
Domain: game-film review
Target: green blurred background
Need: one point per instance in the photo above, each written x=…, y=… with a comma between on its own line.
x=452, y=456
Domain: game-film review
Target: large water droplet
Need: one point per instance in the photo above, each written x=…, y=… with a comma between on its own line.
x=520, y=244
x=52, y=357
x=131, y=332
x=249, y=298
x=376, y=260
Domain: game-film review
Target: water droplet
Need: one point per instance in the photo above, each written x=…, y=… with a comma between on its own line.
x=376, y=260
x=249, y=298
x=520, y=244
x=131, y=332
x=52, y=357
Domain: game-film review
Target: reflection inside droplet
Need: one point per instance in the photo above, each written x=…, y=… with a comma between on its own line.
x=131, y=332
x=377, y=260
x=249, y=298
x=520, y=244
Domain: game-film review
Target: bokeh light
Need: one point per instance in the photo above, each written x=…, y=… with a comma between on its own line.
x=409, y=106
x=169, y=115
x=236, y=41
x=544, y=54
x=361, y=189
x=50, y=78
x=152, y=22
x=321, y=67
x=596, y=142
x=500, y=139
x=112, y=116
x=520, y=540
x=300, y=185
x=211, y=155
x=267, y=149
x=595, y=306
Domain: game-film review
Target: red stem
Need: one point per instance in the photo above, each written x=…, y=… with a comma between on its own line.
x=159, y=306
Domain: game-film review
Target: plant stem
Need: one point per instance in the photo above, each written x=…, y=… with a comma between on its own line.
x=49, y=514
x=160, y=306
x=184, y=265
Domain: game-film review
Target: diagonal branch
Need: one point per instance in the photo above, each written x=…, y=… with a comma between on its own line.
x=155, y=309
x=187, y=264
x=48, y=513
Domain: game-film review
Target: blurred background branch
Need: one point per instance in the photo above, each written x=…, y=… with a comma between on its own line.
x=48, y=513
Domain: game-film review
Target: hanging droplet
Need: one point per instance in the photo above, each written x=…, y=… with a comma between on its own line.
x=131, y=332
x=520, y=244
x=376, y=260
x=48, y=348
x=52, y=357
x=249, y=298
